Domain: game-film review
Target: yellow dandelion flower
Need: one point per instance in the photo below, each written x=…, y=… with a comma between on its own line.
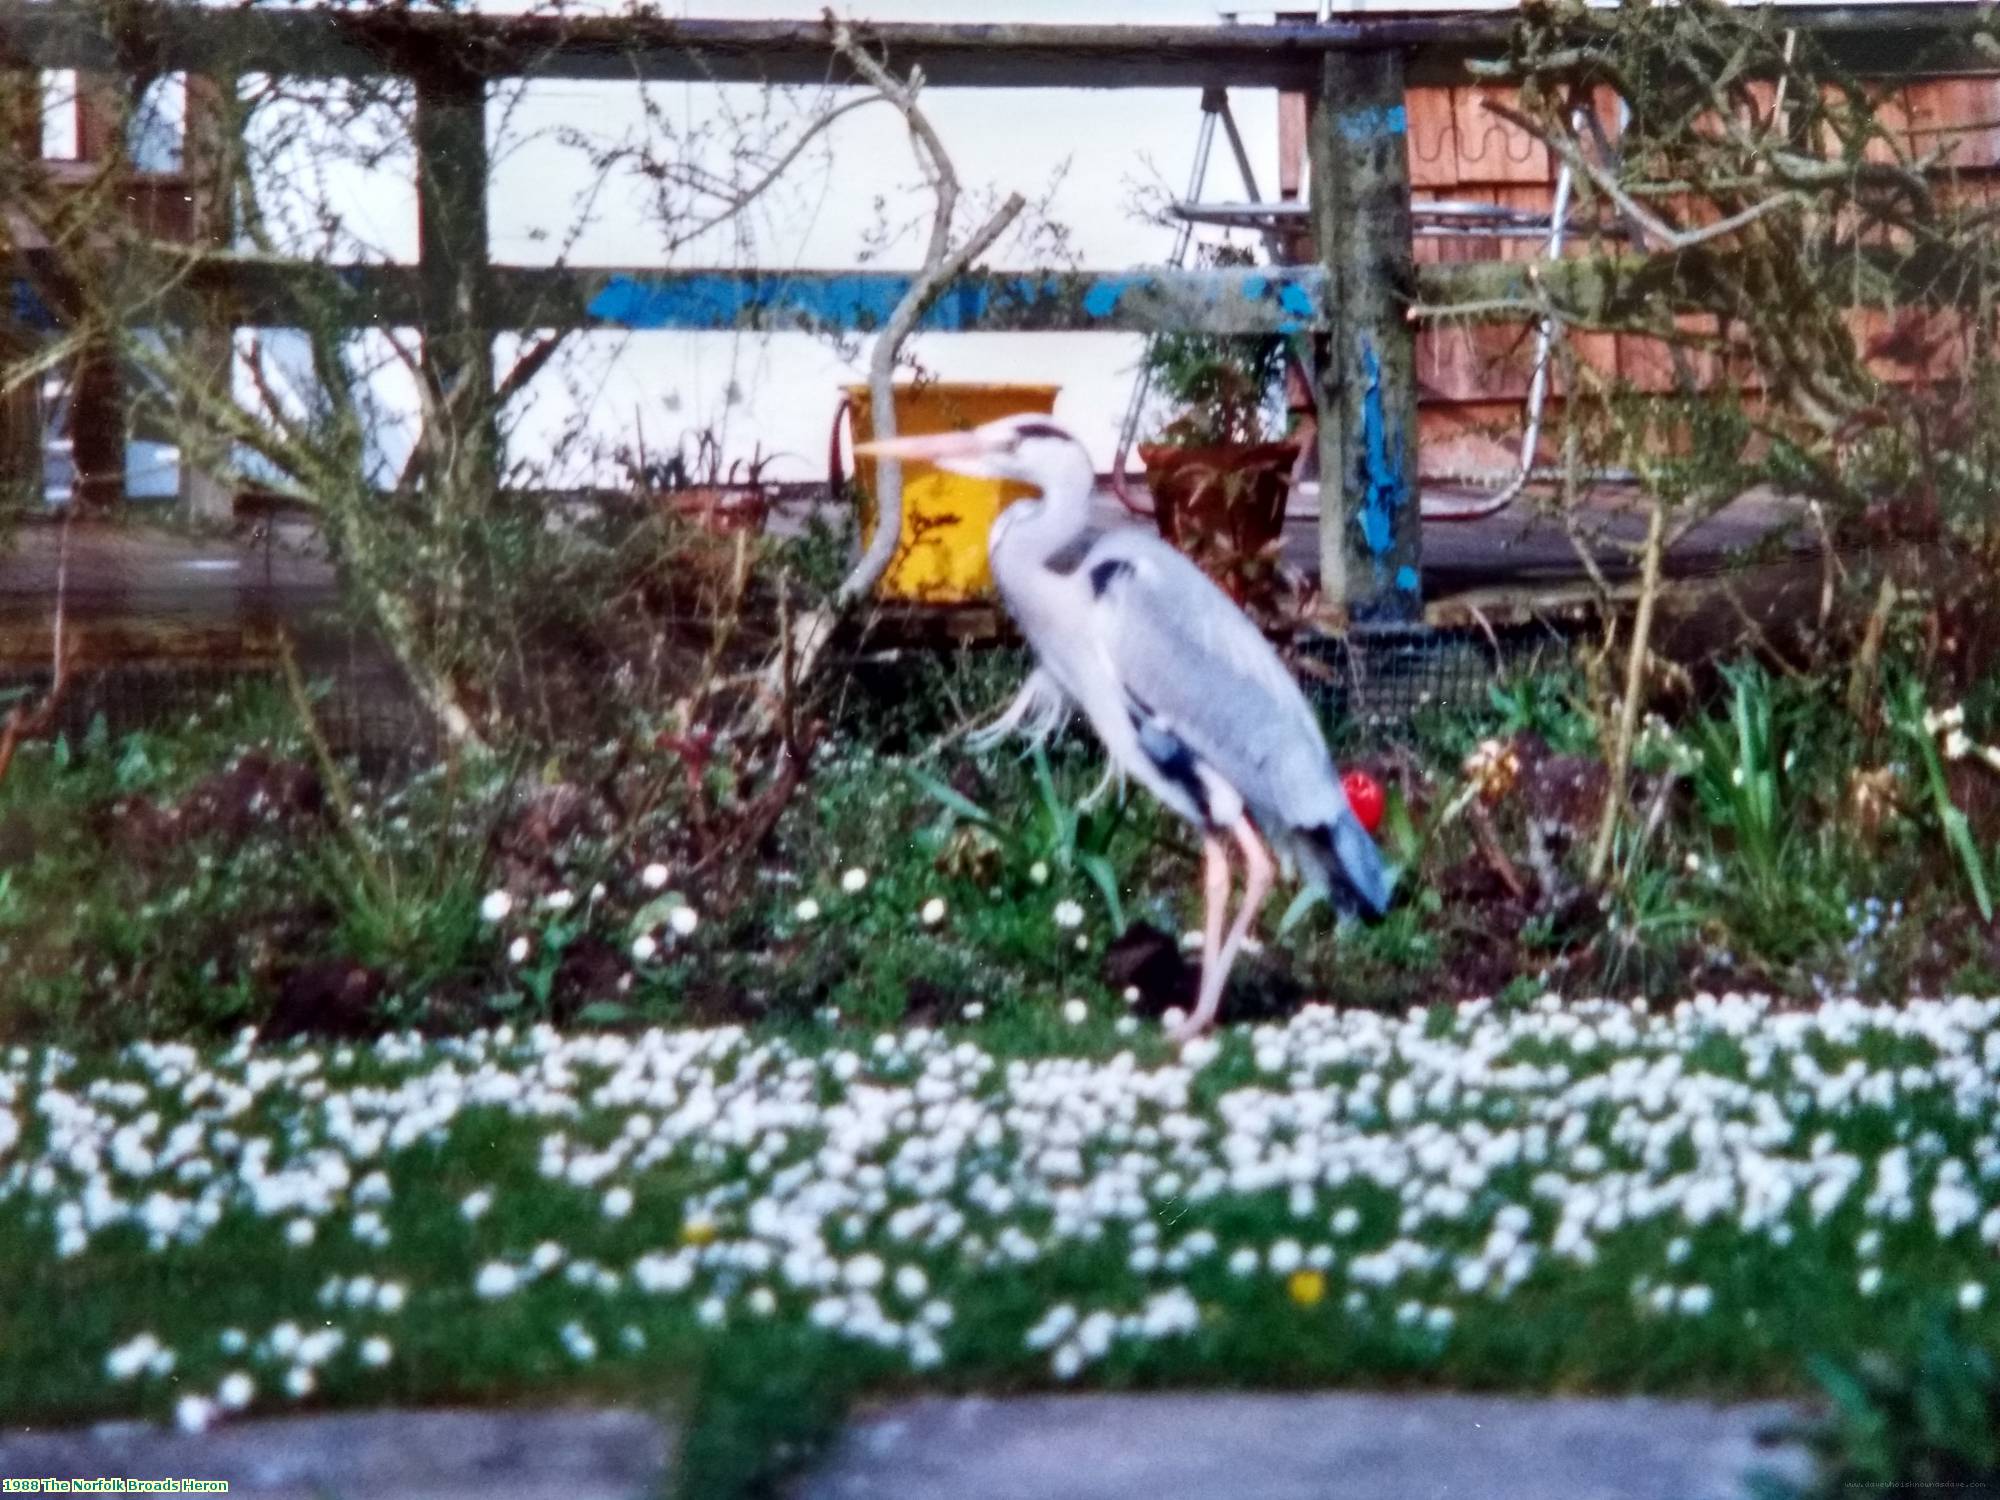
x=1306, y=1287
x=698, y=1232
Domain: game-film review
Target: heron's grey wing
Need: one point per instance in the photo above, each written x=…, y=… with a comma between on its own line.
x=1201, y=680
x=1191, y=661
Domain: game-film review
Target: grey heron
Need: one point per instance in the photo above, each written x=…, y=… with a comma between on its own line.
x=1187, y=695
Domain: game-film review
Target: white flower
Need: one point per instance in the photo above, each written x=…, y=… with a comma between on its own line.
x=559, y=901
x=375, y=1351
x=474, y=1204
x=807, y=910
x=933, y=912
x=644, y=948
x=854, y=881
x=1038, y=873
x=1695, y=1301
x=617, y=1202
x=517, y=951
x=1075, y=1012
x=193, y=1413
x=299, y=1382
x=974, y=1010
x=683, y=920
x=1068, y=914
x=299, y=1232
x=128, y=1359
x=863, y=1272
x=496, y=1279
x=1972, y=1296
x=1870, y=1281
x=496, y=906
x=390, y=1297
x=653, y=877
x=236, y=1391
x=911, y=1283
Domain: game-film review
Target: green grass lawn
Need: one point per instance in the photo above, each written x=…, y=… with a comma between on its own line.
x=1594, y=1196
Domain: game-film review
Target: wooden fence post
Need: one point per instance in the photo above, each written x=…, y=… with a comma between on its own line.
x=1370, y=510
x=21, y=453
x=97, y=411
x=452, y=248
x=211, y=155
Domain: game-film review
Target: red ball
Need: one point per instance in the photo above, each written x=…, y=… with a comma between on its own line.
x=1364, y=795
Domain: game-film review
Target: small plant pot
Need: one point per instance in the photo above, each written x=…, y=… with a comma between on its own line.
x=722, y=509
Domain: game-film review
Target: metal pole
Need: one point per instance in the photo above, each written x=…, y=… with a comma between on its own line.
x=1214, y=104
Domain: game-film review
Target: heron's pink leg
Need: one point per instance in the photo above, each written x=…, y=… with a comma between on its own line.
x=1215, y=906
x=1218, y=959
x=1259, y=871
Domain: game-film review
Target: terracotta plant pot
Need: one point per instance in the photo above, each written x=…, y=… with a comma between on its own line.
x=1231, y=493
x=1224, y=506
x=724, y=509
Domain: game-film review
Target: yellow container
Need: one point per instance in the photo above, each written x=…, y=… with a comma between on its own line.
x=941, y=558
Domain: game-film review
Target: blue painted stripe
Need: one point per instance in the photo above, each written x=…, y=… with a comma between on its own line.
x=865, y=299
x=1372, y=122
x=1382, y=480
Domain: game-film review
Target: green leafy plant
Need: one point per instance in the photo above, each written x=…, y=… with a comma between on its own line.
x=1927, y=1422
x=1075, y=836
x=1739, y=775
x=1907, y=715
x=1222, y=389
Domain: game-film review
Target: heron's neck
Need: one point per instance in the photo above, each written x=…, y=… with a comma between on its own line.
x=1058, y=517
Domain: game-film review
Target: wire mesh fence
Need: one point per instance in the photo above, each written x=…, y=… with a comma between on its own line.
x=359, y=702
x=1380, y=678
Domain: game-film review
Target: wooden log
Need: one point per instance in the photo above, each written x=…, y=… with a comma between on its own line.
x=1370, y=521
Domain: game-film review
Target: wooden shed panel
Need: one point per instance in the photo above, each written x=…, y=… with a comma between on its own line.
x=1433, y=138
x=1491, y=150
x=1958, y=114
x=1475, y=361
x=1467, y=440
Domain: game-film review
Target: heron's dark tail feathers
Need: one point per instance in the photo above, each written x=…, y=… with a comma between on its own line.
x=1340, y=858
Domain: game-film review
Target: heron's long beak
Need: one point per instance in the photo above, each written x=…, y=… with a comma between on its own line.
x=935, y=447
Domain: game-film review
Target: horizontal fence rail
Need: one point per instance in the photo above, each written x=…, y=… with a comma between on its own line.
x=1881, y=41
x=1279, y=299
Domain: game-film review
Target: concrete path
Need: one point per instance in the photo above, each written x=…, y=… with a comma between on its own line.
x=1302, y=1447
x=1154, y=1447
x=436, y=1455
